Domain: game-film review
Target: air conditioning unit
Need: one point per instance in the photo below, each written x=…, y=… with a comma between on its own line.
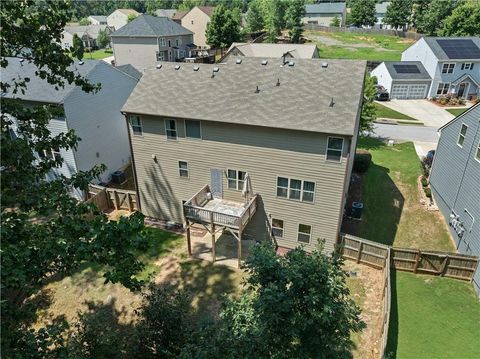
x=118, y=177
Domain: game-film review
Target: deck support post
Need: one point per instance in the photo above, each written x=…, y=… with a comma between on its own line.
x=239, y=248
x=189, y=242
x=212, y=224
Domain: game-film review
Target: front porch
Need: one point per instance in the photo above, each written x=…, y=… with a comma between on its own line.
x=221, y=218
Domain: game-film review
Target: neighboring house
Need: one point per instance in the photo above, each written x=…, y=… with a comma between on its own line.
x=97, y=20
x=165, y=13
x=403, y=79
x=292, y=128
x=119, y=17
x=324, y=13
x=453, y=64
x=179, y=16
x=380, y=11
x=455, y=181
x=196, y=21
x=247, y=49
x=149, y=39
x=95, y=118
x=88, y=34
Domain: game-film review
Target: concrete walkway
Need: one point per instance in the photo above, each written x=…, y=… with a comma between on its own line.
x=422, y=110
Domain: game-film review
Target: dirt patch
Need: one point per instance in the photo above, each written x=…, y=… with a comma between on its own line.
x=366, y=286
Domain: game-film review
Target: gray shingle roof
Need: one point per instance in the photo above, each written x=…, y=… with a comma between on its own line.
x=99, y=18
x=303, y=51
x=301, y=102
x=422, y=75
x=437, y=50
x=165, y=12
x=38, y=89
x=325, y=8
x=152, y=26
x=130, y=70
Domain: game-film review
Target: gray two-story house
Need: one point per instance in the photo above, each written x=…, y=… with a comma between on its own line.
x=252, y=145
x=452, y=66
x=148, y=39
x=455, y=181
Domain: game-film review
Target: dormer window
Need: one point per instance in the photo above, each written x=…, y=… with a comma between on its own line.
x=467, y=66
x=448, y=68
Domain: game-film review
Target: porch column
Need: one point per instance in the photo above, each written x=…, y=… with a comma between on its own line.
x=212, y=226
x=189, y=243
x=239, y=248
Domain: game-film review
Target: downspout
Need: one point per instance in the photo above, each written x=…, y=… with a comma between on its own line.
x=134, y=167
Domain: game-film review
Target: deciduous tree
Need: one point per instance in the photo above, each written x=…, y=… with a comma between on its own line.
x=430, y=17
x=398, y=13
x=464, y=20
x=363, y=13
x=255, y=20
x=293, y=19
x=103, y=39
x=335, y=21
x=368, y=108
x=223, y=28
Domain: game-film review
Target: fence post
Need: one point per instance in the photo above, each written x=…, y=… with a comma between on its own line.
x=115, y=199
x=417, y=261
x=359, y=252
x=444, y=265
x=130, y=203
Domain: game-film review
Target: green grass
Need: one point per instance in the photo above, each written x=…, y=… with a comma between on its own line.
x=393, y=214
x=98, y=54
x=385, y=112
x=433, y=317
x=457, y=111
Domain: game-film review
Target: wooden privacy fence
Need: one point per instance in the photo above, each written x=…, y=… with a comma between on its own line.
x=106, y=198
x=387, y=303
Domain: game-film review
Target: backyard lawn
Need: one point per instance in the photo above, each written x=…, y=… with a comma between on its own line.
x=457, y=111
x=433, y=317
x=98, y=54
x=346, y=45
x=386, y=112
x=393, y=214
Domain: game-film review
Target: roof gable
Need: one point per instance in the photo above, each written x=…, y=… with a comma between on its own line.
x=208, y=10
x=152, y=26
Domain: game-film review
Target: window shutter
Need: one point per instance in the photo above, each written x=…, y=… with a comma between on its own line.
x=463, y=66
x=471, y=66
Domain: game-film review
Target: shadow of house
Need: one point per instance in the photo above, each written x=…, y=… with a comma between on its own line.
x=392, y=342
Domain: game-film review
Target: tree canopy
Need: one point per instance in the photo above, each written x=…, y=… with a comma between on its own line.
x=255, y=21
x=293, y=19
x=398, y=13
x=223, y=28
x=429, y=16
x=363, y=13
x=103, y=39
x=368, y=108
x=464, y=20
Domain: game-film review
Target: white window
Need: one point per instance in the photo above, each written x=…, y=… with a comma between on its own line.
x=442, y=88
x=55, y=153
x=477, y=155
x=461, y=136
x=334, y=149
x=67, y=45
x=277, y=228
x=160, y=56
x=304, y=233
x=448, y=68
x=183, y=168
x=467, y=66
x=193, y=129
x=162, y=42
x=169, y=43
x=182, y=53
x=295, y=189
x=171, y=129
x=136, y=124
x=235, y=179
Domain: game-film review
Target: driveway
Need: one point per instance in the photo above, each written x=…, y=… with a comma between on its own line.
x=423, y=110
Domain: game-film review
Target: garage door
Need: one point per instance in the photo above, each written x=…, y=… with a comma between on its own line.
x=409, y=91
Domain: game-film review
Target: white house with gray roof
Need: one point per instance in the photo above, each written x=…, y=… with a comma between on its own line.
x=452, y=63
x=323, y=13
x=95, y=118
x=254, y=145
x=149, y=39
x=87, y=33
x=380, y=11
x=263, y=50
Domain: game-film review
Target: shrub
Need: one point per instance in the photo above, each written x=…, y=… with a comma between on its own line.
x=453, y=101
x=435, y=98
x=362, y=161
x=428, y=192
x=442, y=100
x=424, y=182
x=461, y=101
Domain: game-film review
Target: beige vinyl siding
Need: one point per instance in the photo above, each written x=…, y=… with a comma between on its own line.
x=264, y=153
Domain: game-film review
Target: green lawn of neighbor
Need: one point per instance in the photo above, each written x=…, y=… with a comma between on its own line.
x=393, y=214
x=98, y=54
x=385, y=112
x=433, y=317
x=457, y=111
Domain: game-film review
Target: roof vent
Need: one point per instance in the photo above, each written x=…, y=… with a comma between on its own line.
x=196, y=68
x=257, y=90
x=331, y=103
x=159, y=66
x=81, y=62
x=177, y=67
x=216, y=69
x=324, y=65
x=238, y=62
x=264, y=62
x=278, y=82
x=21, y=60
x=291, y=63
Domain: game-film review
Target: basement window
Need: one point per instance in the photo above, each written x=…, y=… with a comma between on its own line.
x=304, y=233
x=461, y=136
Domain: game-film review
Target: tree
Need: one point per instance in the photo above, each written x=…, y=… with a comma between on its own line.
x=274, y=17
x=45, y=231
x=77, y=47
x=335, y=21
x=152, y=5
x=464, y=20
x=223, y=28
x=363, y=13
x=293, y=19
x=255, y=20
x=131, y=17
x=103, y=39
x=84, y=22
x=398, y=13
x=368, y=108
x=430, y=18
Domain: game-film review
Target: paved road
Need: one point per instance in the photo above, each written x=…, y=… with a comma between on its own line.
x=407, y=133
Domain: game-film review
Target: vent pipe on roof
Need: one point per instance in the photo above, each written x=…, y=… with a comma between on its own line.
x=257, y=90
x=159, y=66
x=331, y=103
x=278, y=82
x=177, y=67
x=81, y=62
x=238, y=62
x=324, y=65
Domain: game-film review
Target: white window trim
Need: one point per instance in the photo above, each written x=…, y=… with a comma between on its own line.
x=180, y=169
x=447, y=65
x=468, y=64
x=341, y=153
x=167, y=129
x=132, y=126
x=278, y=228
x=301, y=189
x=309, y=234
x=162, y=42
x=193, y=138
x=443, y=88
x=460, y=134
x=477, y=152
x=237, y=180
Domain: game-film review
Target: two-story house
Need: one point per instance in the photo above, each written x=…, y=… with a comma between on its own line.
x=253, y=145
x=196, y=20
x=380, y=11
x=455, y=181
x=452, y=63
x=119, y=18
x=323, y=13
x=95, y=118
x=148, y=39
x=87, y=33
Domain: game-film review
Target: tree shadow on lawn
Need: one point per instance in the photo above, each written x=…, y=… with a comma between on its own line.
x=392, y=342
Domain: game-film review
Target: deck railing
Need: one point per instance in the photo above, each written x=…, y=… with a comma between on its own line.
x=194, y=211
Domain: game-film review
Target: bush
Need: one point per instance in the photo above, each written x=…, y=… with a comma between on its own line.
x=461, y=101
x=424, y=182
x=362, y=161
x=442, y=100
x=428, y=192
